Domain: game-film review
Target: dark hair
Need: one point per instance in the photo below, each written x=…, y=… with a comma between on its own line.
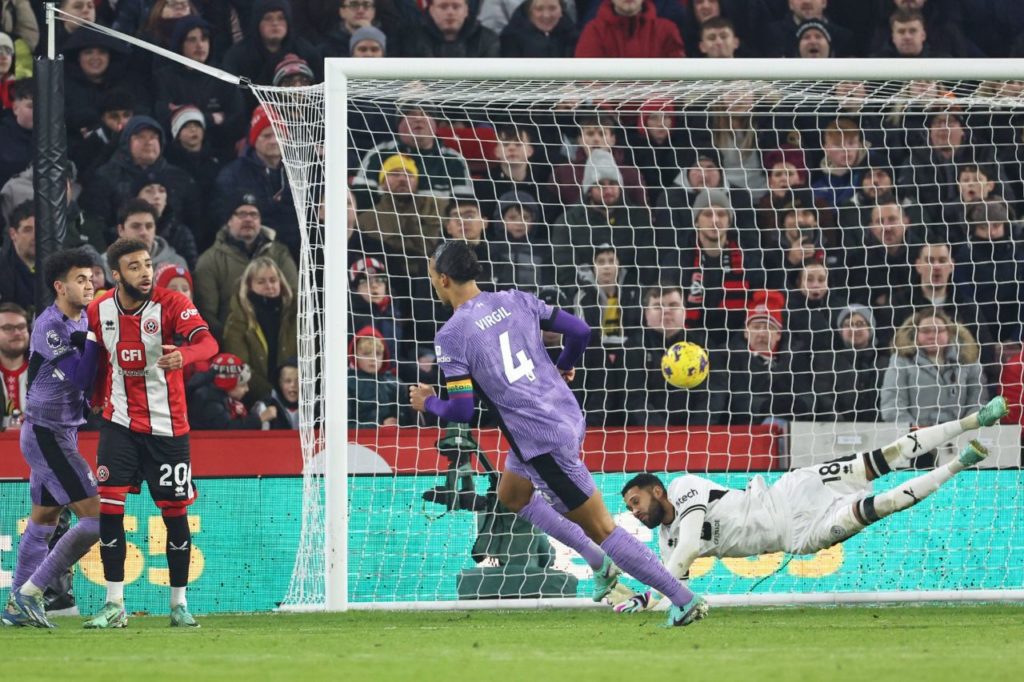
x=116, y=99
x=458, y=261
x=511, y=131
x=595, y=119
x=13, y=308
x=121, y=248
x=460, y=200
x=717, y=22
x=23, y=89
x=991, y=210
x=22, y=211
x=61, y=263
x=974, y=167
x=136, y=205
x=905, y=16
x=643, y=481
x=660, y=291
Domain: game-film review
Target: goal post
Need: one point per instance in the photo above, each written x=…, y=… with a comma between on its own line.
x=377, y=531
x=504, y=84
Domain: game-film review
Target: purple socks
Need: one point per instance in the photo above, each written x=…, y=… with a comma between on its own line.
x=31, y=551
x=636, y=559
x=544, y=516
x=68, y=550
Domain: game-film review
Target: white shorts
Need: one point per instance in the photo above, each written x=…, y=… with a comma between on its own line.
x=820, y=503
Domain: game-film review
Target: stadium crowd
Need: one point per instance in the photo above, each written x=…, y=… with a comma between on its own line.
x=853, y=264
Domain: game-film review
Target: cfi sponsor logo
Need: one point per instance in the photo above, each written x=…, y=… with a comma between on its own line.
x=102, y=474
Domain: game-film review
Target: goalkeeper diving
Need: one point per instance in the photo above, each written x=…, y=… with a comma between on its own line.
x=805, y=511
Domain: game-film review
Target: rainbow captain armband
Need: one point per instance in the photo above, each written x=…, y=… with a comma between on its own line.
x=460, y=388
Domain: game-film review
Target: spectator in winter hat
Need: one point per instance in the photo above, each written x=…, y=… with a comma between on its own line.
x=603, y=216
x=371, y=304
x=602, y=171
x=293, y=72
x=813, y=41
x=368, y=41
x=215, y=397
x=140, y=154
x=260, y=171
x=372, y=387
x=779, y=38
x=175, y=278
x=849, y=377
x=758, y=385
x=241, y=240
x=181, y=119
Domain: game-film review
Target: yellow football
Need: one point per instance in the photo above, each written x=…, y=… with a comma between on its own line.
x=685, y=365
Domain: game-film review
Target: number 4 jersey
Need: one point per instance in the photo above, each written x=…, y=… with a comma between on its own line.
x=492, y=344
x=135, y=392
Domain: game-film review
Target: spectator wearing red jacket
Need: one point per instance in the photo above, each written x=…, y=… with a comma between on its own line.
x=1012, y=387
x=632, y=29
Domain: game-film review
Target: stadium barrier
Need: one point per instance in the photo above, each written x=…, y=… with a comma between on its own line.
x=247, y=524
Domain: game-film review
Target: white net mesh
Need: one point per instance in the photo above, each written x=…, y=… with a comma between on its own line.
x=658, y=212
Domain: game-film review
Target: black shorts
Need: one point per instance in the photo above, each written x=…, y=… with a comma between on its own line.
x=125, y=458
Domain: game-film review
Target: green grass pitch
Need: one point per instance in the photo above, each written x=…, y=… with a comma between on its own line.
x=868, y=644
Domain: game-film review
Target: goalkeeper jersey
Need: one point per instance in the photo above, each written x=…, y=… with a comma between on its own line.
x=723, y=522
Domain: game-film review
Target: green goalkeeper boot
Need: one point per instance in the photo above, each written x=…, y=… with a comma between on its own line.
x=993, y=412
x=972, y=453
x=181, y=618
x=112, y=615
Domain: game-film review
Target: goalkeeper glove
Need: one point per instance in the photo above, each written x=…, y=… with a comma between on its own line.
x=635, y=604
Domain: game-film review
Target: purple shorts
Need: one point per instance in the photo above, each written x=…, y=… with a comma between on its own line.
x=561, y=476
x=60, y=475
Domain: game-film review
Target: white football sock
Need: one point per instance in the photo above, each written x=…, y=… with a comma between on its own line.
x=115, y=592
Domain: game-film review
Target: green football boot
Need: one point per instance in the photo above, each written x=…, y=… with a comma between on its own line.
x=181, y=618
x=112, y=615
x=972, y=453
x=993, y=412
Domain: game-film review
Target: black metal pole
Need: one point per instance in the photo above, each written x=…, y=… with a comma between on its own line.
x=50, y=163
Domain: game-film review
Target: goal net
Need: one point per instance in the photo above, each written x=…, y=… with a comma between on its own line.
x=846, y=250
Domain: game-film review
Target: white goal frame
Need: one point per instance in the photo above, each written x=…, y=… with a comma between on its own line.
x=337, y=74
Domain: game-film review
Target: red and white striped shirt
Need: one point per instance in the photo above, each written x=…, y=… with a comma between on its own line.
x=136, y=393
